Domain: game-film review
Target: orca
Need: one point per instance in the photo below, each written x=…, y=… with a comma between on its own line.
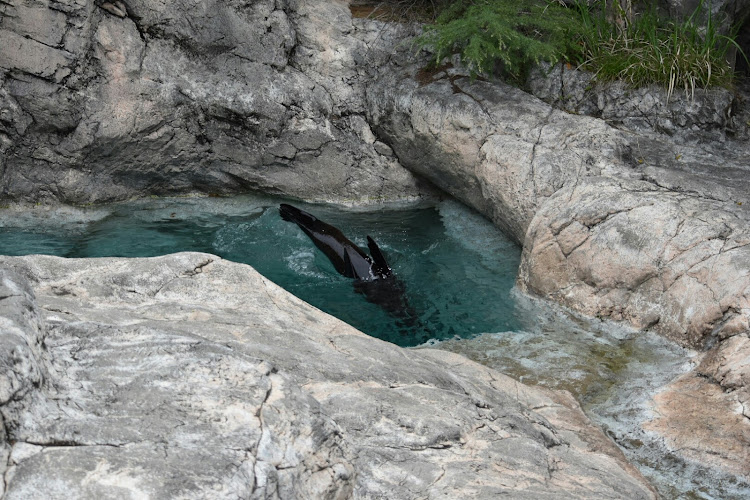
x=373, y=277
x=348, y=259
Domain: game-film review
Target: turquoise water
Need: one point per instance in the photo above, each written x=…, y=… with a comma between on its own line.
x=456, y=268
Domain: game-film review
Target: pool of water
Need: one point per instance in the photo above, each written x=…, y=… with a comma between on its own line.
x=457, y=272
x=613, y=371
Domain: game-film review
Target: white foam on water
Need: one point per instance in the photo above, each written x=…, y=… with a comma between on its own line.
x=471, y=230
x=303, y=262
x=227, y=239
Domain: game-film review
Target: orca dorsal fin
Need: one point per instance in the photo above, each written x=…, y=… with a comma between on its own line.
x=380, y=265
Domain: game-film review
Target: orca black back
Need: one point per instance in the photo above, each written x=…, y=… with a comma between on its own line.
x=348, y=259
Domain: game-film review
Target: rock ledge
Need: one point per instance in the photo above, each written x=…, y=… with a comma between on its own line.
x=190, y=376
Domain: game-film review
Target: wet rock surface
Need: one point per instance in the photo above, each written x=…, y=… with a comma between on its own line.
x=188, y=375
x=103, y=101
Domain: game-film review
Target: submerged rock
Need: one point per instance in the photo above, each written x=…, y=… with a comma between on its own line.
x=188, y=375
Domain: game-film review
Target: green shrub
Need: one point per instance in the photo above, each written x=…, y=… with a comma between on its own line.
x=513, y=35
x=685, y=54
x=509, y=35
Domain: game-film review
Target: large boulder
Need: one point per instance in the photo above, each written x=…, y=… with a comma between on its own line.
x=596, y=208
x=191, y=376
x=630, y=251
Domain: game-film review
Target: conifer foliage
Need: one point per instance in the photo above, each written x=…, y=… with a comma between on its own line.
x=508, y=37
x=505, y=35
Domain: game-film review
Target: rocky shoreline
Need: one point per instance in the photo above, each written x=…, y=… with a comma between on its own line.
x=620, y=217
x=191, y=376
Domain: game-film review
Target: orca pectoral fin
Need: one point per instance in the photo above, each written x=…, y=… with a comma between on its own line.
x=380, y=265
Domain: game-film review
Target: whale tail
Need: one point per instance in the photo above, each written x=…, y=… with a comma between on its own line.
x=380, y=266
x=294, y=214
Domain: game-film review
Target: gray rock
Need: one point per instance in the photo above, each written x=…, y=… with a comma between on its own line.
x=296, y=98
x=491, y=145
x=703, y=116
x=189, y=376
x=615, y=223
x=128, y=99
x=22, y=336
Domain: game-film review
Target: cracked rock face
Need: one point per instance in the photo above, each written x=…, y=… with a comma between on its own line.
x=102, y=101
x=190, y=376
x=701, y=116
x=615, y=224
x=629, y=251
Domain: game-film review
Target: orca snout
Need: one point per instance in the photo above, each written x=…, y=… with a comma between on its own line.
x=287, y=212
x=294, y=214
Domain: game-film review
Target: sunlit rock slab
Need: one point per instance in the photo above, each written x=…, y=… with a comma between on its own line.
x=191, y=376
x=627, y=250
x=693, y=415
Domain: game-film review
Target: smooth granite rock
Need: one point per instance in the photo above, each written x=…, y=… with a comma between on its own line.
x=193, y=377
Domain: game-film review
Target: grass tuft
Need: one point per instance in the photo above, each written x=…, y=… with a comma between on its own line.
x=510, y=36
x=687, y=54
